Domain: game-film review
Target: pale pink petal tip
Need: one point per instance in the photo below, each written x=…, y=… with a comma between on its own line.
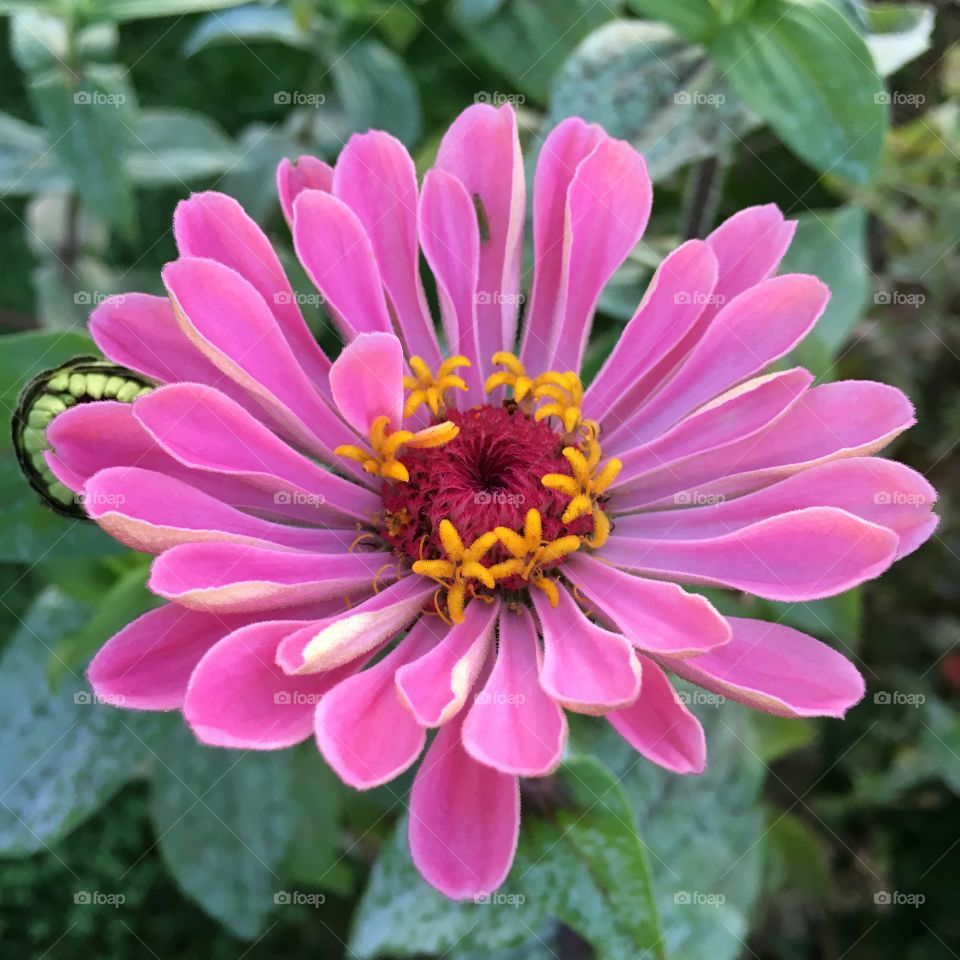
x=367, y=381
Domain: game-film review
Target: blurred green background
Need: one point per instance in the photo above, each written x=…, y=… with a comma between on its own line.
x=120, y=837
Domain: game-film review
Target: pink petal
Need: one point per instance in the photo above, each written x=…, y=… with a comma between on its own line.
x=376, y=178
x=293, y=177
x=239, y=577
x=512, y=724
x=336, y=640
x=202, y=428
x=337, y=254
x=776, y=669
x=804, y=555
x=251, y=349
x=653, y=615
x=659, y=725
x=482, y=150
x=238, y=697
x=608, y=205
x=363, y=729
x=881, y=491
x=739, y=343
x=436, y=686
x=585, y=668
x=367, y=381
x=147, y=664
x=464, y=820
x=831, y=421
x=215, y=226
x=451, y=245
x=676, y=297
x=566, y=146
x=151, y=512
x=735, y=416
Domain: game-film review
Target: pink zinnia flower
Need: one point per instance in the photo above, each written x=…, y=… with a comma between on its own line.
x=467, y=540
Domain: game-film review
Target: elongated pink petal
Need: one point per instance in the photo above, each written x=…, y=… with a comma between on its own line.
x=566, y=146
x=146, y=666
x=659, y=725
x=512, y=724
x=881, y=491
x=251, y=349
x=585, y=668
x=674, y=300
x=482, y=150
x=436, y=686
x=367, y=381
x=740, y=342
x=776, y=669
x=152, y=511
x=238, y=697
x=608, y=205
x=832, y=421
x=202, y=428
x=376, y=178
x=734, y=416
x=653, y=615
x=293, y=177
x=803, y=555
x=240, y=577
x=363, y=729
x=336, y=640
x=450, y=239
x=337, y=254
x=215, y=226
x=464, y=819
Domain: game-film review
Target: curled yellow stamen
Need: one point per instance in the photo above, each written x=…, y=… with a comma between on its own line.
x=425, y=388
x=587, y=485
x=381, y=459
x=564, y=395
x=462, y=564
x=514, y=375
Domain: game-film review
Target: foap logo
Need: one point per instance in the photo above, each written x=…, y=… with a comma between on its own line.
x=497, y=98
x=296, y=698
x=702, y=698
x=499, y=699
x=298, y=98
x=284, y=298
x=97, y=98
x=897, y=898
x=694, y=498
x=697, y=898
x=896, y=298
x=698, y=98
x=298, y=498
x=899, y=498
x=699, y=298
x=495, y=296
x=85, y=698
x=96, y=898
x=286, y=898
x=100, y=499
x=501, y=899
x=90, y=298
x=498, y=498
x=898, y=698
x=896, y=98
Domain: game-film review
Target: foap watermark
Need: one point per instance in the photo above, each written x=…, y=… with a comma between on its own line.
x=97, y=498
x=85, y=698
x=898, y=698
x=286, y=898
x=501, y=899
x=97, y=898
x=697, y=898
x=284, y=297
x=896, y=98
x=702, y=697
x=501, y=498
x=510, y=299
x=699, y=98
x=897, y=298
x=298, y=498
x=498, y=98
x=897, y=898
x=499, y=699
x=97, y=98
x=899, y=498
x=298, y=98
x=296, y=698
x=696, y=498
x=91, y=298
x=699, y=298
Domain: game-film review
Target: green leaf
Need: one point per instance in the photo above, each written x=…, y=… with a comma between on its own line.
x=796, y=858
x=377, y=91
x=176, y=146
x=777, y=736
x=693, y=19
x=526, y=40
x=899, y=33
x=223, y=823
x=62, y=755
x=89, y=121
x=142, y=9
x=585, y=865
x=26, y=165
x=643, y=84
x=38, y=40
x=834, y=619
x=805, y=69
x=832, y=245
x=248, y=24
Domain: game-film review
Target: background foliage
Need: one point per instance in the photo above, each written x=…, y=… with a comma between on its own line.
x=120, y=836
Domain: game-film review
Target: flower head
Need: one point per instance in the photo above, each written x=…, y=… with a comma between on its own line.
x=471, y=538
